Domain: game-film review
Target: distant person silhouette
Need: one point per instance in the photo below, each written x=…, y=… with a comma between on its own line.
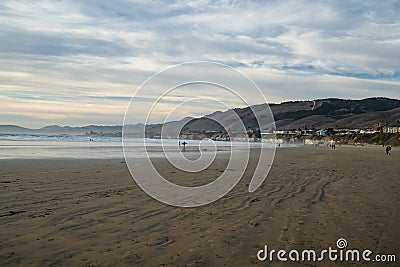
x=184, y=145
x=388, y=150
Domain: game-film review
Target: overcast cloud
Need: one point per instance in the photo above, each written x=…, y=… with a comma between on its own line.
x=78, y=62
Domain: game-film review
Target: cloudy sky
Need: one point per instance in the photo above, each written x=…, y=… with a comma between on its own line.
x=79, y=62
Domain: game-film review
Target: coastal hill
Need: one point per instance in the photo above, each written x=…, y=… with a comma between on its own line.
x=316, y=114
x=293, y=115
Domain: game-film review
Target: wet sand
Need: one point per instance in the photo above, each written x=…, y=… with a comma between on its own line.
x=90, y=212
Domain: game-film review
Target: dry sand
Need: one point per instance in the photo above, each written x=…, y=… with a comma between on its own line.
x=91, y=213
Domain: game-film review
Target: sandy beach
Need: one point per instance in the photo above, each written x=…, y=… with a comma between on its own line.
x=67, y=212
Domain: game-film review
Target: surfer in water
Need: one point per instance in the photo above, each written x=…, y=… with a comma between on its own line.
x=184, y=145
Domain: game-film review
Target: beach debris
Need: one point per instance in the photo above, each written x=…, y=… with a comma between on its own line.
x=11, y=213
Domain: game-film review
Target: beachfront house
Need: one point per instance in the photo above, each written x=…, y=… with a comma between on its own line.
x=322, y=132
x=307, y=132
x=369, y=131
x=391, y=129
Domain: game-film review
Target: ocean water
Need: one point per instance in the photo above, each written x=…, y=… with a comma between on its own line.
x=65, y=146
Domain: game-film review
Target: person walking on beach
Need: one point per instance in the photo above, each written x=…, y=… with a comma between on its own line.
x=332, y=144
x=388, y=150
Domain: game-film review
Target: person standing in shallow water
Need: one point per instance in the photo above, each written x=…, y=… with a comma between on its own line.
x=388, y=150
x=183, y=144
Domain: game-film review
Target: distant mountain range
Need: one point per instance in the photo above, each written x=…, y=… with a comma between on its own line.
x=293, y=115
x=68, y=130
